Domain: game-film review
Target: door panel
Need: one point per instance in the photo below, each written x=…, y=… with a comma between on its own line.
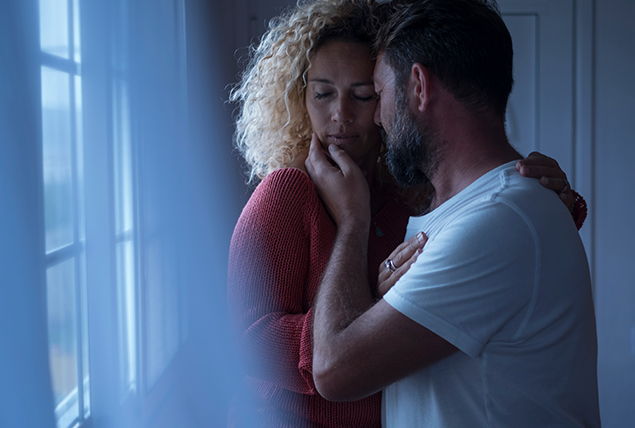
x=541, y=106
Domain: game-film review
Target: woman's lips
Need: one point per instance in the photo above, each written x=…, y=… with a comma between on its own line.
x=341, y=138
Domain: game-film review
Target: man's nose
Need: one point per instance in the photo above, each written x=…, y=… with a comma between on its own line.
x=377, y=114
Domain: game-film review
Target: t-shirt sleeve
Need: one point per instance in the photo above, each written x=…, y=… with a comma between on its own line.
x=474, y=281
x=268, y=262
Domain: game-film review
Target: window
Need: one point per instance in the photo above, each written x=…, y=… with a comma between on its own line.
x=63, y=208
x=112, y=268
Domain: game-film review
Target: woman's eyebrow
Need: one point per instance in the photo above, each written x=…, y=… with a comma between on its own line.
x=321, y=81
x=329, y=82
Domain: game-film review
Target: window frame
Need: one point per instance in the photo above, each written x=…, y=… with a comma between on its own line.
x=75, y=250
x=108, y=66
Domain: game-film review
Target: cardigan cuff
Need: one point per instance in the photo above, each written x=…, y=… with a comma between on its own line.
x=579, y=210
x=305, y=365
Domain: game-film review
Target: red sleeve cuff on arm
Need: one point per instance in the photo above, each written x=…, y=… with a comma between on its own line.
x=305, y=364
x=579, y=211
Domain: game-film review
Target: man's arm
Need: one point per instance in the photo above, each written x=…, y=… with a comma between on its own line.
x=359, y=348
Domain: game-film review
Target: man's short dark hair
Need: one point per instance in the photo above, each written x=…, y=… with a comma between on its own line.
x=465, y=43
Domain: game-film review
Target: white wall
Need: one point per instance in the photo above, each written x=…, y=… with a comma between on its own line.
x=614, y=181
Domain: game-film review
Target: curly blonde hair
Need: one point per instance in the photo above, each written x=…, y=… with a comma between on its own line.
x=273, y=124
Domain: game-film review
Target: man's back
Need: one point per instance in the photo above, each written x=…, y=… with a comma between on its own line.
x=504, y=278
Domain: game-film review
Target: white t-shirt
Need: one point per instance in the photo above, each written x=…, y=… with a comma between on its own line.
x=504, y=278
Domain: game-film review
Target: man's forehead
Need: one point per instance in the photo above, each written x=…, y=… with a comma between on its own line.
x=383, y=72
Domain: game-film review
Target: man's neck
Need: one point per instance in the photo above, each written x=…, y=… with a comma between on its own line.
x=469, y=151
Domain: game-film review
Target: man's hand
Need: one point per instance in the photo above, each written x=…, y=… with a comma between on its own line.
x=343, y=188
x=551, y=176
x=400, y=260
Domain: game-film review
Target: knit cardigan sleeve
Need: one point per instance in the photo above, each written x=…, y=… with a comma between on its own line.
x=268, y=266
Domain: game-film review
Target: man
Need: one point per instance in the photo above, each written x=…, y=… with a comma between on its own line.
x=493, y=323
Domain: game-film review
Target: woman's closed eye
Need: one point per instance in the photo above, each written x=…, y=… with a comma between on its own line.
x=321, y=95
x=357, y=97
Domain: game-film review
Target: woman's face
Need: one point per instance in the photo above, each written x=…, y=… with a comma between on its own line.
x=341, y=100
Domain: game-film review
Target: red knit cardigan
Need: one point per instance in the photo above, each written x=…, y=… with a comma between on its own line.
x=280, y=247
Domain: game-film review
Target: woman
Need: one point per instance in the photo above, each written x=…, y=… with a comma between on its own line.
x=311, y=73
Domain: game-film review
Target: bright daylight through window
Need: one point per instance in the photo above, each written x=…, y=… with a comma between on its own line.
x=63, y=208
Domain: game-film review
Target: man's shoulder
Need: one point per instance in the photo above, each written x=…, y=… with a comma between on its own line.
x=485, y=204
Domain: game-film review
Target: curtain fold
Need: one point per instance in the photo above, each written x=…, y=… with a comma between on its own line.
x=24, y=368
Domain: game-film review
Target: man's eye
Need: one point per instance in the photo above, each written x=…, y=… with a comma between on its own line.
x=368, y=98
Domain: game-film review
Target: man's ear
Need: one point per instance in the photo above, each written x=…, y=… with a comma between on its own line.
x=421, y=84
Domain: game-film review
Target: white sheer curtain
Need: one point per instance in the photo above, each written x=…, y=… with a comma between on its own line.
x=120, y=321
x=24, y=369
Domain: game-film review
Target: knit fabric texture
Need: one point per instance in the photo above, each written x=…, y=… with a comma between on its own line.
x=579, y=210
x=279, y=250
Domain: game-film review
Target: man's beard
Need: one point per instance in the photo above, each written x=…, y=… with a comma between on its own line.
x=412, y=152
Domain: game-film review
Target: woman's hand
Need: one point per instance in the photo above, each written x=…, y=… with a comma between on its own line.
x=341, y=186
x=551, y=176
x=399, y=262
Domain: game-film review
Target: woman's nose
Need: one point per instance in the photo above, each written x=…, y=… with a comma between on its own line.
x=343, y=112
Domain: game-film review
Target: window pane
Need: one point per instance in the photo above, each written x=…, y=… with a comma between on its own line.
x=123, y=159
x=54, y=27
x=62, y=327
x=127, y=319
x=77, y=47
x=84, y=334
x=79, y=145
x=57, y=157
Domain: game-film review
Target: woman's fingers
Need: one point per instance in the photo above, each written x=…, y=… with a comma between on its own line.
x=342, y=188
x=551, y=176
x=539, y=171
x=558, y=185
x=562, y=188
x=316, y=161
x=343, y=161
x=568, y=199
x=537, y=165
x=400, y=261
x=394, y=276
x=406, y=249
x=538, y=159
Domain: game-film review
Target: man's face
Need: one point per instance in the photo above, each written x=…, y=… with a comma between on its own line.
x=412, y=146
x=384, y=80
